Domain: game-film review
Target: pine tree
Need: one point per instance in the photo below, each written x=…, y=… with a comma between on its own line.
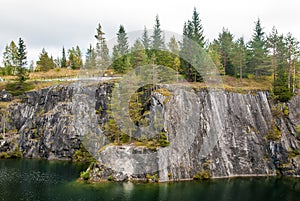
x=238, y=57
x=90, y=58
x=22, y=61
x=138, y=55
x=63, y=63
x=102, y=51
x=45, y=62
x=225, y=46
x=292, y=56
x=213, y=52
x=75, y=58
x=173, y=45
x=279, y=50
x=185, y=51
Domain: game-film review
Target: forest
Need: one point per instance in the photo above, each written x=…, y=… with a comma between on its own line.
x=271, y=57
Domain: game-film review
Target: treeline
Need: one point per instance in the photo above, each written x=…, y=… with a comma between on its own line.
x=263, y=55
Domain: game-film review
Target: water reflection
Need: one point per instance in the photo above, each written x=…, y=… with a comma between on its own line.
x=43, y=180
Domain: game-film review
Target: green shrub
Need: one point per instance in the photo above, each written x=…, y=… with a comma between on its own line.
x=282, y=93
x=18, y=88
x=4, y=155
x=163, y=142
x=286, y=111
x=298, y=130
x=85, y=175
x=110, y=178
x=152, y=178
x=294, y=153
x=82, y=155
x=203, y=175
x=16, y=154
x=276, y=110
x=274, y=133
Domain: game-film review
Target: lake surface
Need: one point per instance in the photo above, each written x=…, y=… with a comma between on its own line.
x=49, y=180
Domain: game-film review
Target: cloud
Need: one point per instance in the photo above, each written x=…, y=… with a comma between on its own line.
x=54, y=23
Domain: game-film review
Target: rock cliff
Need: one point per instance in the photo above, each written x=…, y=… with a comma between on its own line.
x=212, y=133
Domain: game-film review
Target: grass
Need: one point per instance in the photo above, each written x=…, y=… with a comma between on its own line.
x=236, y=85
x=17, y=88
x=54, y=73
x=227, y=82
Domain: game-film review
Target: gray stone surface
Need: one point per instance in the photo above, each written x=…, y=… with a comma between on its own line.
x=223, y=133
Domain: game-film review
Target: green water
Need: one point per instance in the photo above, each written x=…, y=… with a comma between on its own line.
x=43, y=180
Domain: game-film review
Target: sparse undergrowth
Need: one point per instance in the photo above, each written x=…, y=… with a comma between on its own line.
x=85, y=175
x=82, y=155
x=203, y=175
x=18, y=88
x=274, y=133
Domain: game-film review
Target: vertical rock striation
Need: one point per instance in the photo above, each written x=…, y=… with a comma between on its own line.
x=211, y=133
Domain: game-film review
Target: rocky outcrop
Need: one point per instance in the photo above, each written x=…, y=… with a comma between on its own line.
x=212, y=133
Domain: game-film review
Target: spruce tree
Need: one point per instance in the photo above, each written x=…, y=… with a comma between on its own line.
x=197, y=33
x=191, y=47
x=122, y=45
x=22, y=61
x=259, y=64
x=120, y=52
x=157, y=37
x=63, y=62
x=146, y=41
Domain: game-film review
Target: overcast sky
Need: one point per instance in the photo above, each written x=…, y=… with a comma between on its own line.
x=55, y=23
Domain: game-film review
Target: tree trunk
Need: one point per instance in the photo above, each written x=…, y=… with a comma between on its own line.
x=294, y=76
x=241, y=70
x=289, y=73
x=274, y=67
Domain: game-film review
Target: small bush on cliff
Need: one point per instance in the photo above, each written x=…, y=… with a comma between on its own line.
x=82, y=155
x=163, y=142
x=152, y=178
x=286, y=110
x=85, y=175
x=274, y=133
x=110, y=178
x=203, y=175
x=294, y=153
x=4, y=155
x=298, y=130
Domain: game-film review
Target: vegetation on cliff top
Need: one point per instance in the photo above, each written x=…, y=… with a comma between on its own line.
x=268, y=61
